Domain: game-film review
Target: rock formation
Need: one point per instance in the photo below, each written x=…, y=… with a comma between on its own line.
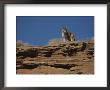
x=65, y=58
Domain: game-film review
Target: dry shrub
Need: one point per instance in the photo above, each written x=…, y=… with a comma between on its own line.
x=55, y=42
x=19, y=43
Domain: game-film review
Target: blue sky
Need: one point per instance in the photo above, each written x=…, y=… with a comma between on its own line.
x=38, y=30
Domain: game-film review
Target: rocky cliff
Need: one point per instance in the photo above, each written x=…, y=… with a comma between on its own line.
x=64, y=58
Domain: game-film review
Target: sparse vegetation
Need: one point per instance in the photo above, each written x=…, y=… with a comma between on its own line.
x=55, y=42
x=20, y=43
x=59, y=41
